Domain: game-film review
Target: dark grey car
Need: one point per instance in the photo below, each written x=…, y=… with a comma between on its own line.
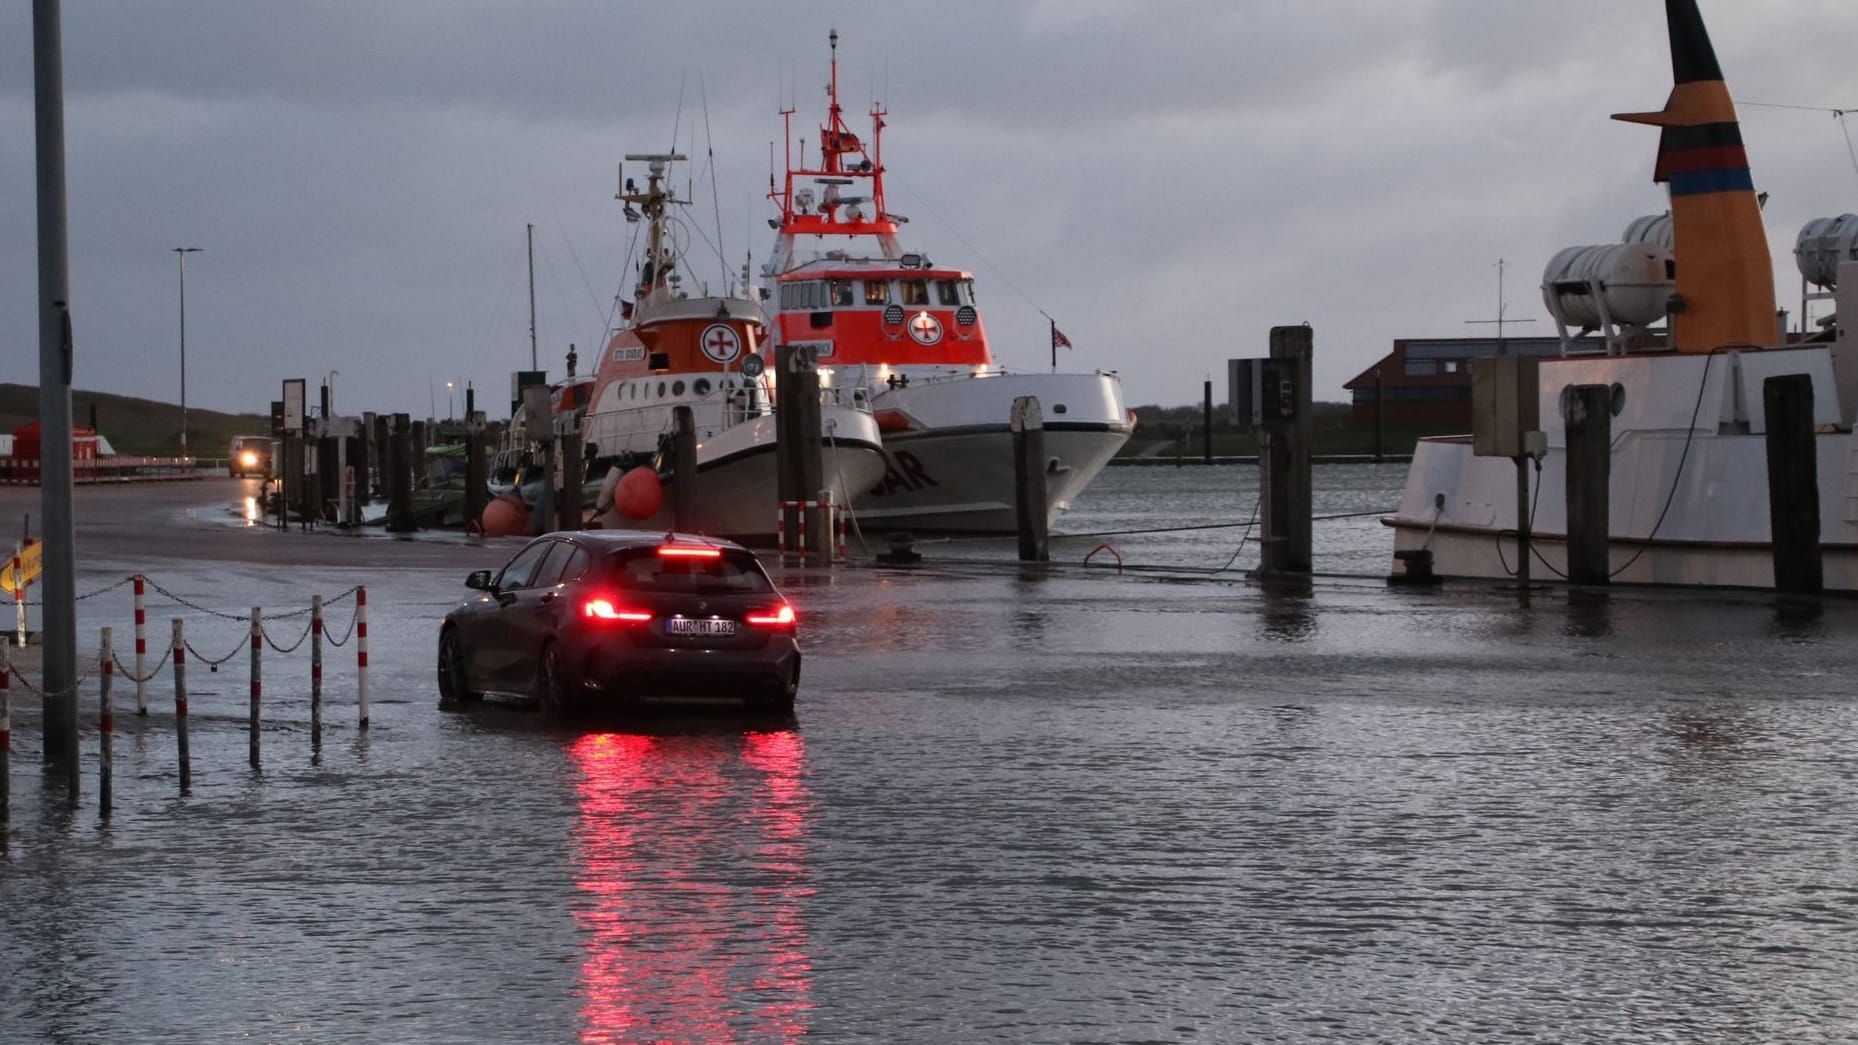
x=602, y=618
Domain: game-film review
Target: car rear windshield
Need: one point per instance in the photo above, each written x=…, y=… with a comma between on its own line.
x=643, y=569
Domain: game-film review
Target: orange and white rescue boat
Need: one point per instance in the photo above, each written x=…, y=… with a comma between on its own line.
x=908, y=335
x=706, y=352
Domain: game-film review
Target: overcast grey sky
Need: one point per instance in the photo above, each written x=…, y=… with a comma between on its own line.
x=1168, y=179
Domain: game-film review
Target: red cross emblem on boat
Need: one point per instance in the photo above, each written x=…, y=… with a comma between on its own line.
x=925, y=329
x=720, y=342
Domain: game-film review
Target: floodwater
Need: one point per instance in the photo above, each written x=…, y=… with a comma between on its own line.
x=1014, y=805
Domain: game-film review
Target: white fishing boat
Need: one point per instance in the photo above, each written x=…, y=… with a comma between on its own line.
x=909, y=334
x=703, y=351
x=1685, y=310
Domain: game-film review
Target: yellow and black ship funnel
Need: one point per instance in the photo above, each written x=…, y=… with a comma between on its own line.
x=1725, y=275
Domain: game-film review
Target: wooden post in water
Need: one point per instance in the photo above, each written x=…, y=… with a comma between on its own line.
x=1206, y=422
x=684, y=470
x=289, y=475
x=1286, y=456
x=258, y=641
x=363, y=457
x=800, y=468
x=476, y=492
x=573, y=478
x=1793, y=484
x=309, y=490
x=400, y=476
x=1524, y=524
x=539, y=429
x=1031, y=499
x=328, y=470
x=1590, y=473
x=316, y=672
x=106, y=723
x=381, y=429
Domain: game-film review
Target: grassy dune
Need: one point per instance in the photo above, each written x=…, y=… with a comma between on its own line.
x=137, y=426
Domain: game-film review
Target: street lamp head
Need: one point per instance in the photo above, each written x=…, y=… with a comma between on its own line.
x=187, y=250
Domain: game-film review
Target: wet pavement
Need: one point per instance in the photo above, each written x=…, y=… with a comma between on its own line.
x=1014, y=805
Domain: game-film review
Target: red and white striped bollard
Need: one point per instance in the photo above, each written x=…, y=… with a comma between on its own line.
x=141, y=652
x=179, y=652
x=361, y=651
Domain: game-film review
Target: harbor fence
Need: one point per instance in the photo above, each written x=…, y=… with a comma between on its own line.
x=258, y=631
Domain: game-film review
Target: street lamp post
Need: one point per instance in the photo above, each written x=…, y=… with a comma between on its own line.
x=451, y=410
x=180, y=254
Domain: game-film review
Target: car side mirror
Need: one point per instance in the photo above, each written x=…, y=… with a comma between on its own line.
x=479, y=579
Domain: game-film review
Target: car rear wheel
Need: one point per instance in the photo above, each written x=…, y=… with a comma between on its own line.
x=552, y=688
x=452, y=685
x=779, y=696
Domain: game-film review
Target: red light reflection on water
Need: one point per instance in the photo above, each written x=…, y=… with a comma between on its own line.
x=693, y=872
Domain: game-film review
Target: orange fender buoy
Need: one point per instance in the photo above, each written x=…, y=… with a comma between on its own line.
x=639, y=494
x=505, y=517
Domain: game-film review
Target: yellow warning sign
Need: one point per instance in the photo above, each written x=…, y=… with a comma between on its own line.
x=31, y=564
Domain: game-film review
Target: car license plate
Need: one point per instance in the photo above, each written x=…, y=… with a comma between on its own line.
x=705, y=627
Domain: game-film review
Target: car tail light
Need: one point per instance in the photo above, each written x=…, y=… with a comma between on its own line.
x=680, y=551
x=781, y=616
x=606, y=609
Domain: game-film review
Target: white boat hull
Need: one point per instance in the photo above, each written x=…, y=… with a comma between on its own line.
x=1688, y=496
x=738, y=490
x=952, y=470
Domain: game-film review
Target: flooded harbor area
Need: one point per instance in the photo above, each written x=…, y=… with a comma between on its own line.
x=1014, y=804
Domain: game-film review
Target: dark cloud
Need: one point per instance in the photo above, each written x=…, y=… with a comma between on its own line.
x=1169, y=179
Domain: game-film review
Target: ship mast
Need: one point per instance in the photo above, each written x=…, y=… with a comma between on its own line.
x=656, y=197
x=844, y=162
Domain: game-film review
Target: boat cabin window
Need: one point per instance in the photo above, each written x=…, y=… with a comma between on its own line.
x=802, y=295
x=841, y=293
x=915, y=291
x=701, y=386
x=677, y=388
x=946, y=293
x=877, y=292
x=661, y=389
